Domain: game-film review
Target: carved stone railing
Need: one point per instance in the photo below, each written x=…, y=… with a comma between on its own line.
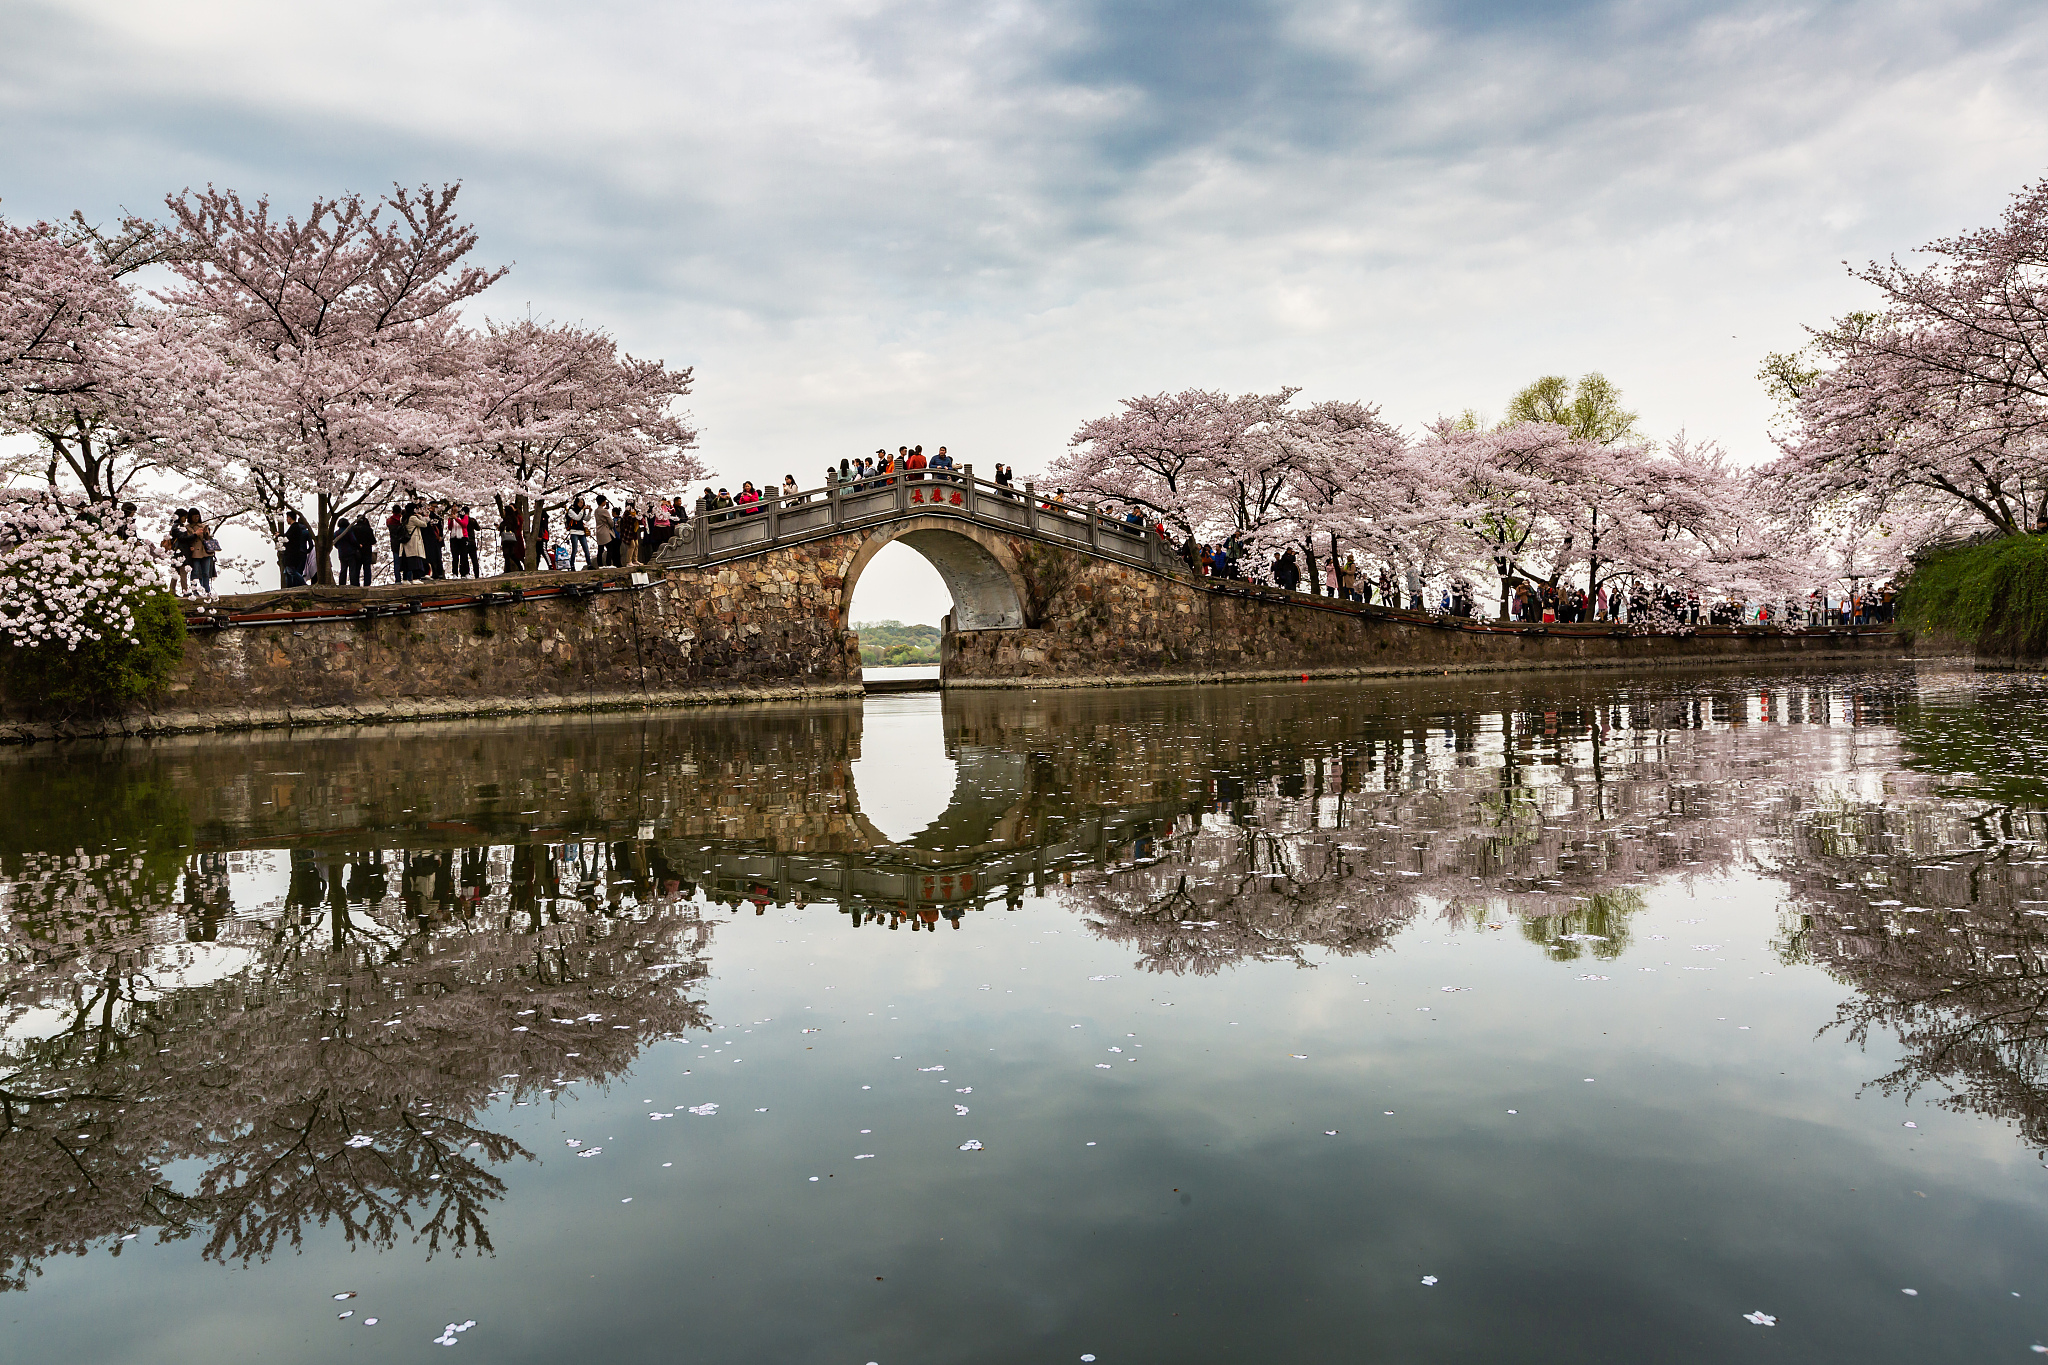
x=785, y=518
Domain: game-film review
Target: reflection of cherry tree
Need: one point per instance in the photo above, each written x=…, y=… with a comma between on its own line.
x=329, y=1076
x=1209, y=894
x=1970, y=1010
x=1552, y=817
x=1929, y=903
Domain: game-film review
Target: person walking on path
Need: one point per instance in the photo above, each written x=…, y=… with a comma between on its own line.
x=349, y=554
x=357, y=545
x=415, y=559
x=462, y=541
x=203, y=550
x=606, y=534
x=174, y=544
x=576, y=525
x=629, y=534
x=511, y=540
x=298, y=545
x=433, y=537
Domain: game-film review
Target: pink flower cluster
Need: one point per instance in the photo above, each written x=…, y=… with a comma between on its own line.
x=68, y=577
x=1931, y=408
x=1529, y=500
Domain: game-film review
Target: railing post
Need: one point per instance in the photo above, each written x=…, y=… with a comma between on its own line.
x=1030, y=506
x=902, y=481
x=1094, y=529
x=774, y=501
x=835, y=493
x=702, y=523
x=967, y=490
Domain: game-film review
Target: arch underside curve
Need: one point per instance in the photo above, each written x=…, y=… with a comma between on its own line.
x=984, y=598
x=984, y=591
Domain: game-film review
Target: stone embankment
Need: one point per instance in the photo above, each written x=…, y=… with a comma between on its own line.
x=518, y=644
x=1111, y=624
x=773, y=625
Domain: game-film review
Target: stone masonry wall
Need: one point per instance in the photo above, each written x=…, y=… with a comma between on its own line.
x=755, y=630
x=1098, y=622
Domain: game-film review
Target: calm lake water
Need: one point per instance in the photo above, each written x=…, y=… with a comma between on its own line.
x=1481, y=1019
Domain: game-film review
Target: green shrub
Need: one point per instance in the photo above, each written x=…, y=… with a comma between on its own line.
x=892, y=643
x=1994, y=595
x=100, y=676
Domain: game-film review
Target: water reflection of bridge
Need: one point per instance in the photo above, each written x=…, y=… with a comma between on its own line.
x=1545, y=779
x=910, y=878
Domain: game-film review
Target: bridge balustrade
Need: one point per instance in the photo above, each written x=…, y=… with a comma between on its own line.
x=787, y=518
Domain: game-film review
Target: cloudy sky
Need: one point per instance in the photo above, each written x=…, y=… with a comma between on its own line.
x=977, y=224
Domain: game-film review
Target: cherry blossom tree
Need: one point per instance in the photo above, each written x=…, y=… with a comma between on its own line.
x=1348, y=479
x=331, y=336
x=1940, y=395
x=68, y=579
x=1577, y=499
x=86, y=623
x=1199, y=461
x=55, y=298
x=1502, y=495
x=552, y=413
x=70, y=328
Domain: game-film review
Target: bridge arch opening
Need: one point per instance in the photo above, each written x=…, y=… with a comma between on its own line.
x=984, y=589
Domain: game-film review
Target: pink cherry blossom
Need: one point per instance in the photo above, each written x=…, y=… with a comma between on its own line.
x=1937, y=399
x=68, y=576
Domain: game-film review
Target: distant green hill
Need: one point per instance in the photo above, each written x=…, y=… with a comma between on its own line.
x=892, y=642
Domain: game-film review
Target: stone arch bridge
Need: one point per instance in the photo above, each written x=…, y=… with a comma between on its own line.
x=755, y=606
x=1047, y=592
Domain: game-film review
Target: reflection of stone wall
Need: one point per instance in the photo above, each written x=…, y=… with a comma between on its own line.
x=1099, y=622
x=774, y=773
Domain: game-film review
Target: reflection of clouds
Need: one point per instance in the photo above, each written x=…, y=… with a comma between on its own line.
x=903, y=779
x=184, y=966
x=31, y=1023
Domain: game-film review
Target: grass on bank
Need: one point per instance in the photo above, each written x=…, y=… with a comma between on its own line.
x=1993, y=595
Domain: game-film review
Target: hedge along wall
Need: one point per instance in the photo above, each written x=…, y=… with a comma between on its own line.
x=1990, y=599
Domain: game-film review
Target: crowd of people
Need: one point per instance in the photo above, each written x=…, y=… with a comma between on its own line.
x=1534, y=602
x=440, y=538
x=436, y=538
